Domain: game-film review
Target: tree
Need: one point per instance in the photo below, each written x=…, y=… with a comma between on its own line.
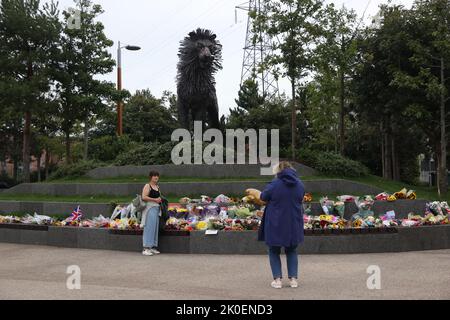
x=28, y=33
x=147, y=119
x=272, y=114
x=11, y=136
x=297, y=25
x=428, y=80
x=337, y=56
x=248, y=95
x=382, y=108
x=322, y=112
x=170, y=102
x=83, y=55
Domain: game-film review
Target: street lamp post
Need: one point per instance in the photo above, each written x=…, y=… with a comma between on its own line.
x=119, y=85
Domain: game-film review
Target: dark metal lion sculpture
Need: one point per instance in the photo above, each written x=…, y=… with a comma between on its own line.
x=200, y=57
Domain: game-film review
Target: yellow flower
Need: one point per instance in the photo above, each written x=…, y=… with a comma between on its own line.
x=202, y=225
x=411, y=195
x=324, y=217
x=392, y=198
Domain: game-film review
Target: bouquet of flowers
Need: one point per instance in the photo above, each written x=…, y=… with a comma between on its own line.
x=251, y=224
x=401, y=194
x=205, y=200
x=184, y=201
x=438, y=208
x=243, y=213
x=364, y=205
x=182, y=213
x=201, y=225
x=123, y=224
x=222, y=199
x=327, y=205
x=340, y=208
x=346, y=198
x=307, y=209
x=198, y=210
x=370, y=222
x=382, y=196
x=237, y=225
x=37, y=219
x=410, y=223
x=101, y=222
x=308, y=197
x=216, y=224
x=212, y=210
x=411, y=195
x=173, y=224
x=445, y=207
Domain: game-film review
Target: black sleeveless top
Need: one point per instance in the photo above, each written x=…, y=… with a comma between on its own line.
x=154, y=193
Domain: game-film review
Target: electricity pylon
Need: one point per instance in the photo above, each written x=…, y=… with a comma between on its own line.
x=258, y=46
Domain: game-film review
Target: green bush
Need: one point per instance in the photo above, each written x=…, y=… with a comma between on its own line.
x=332, y=164
x=75, y=170
x=410, y=171
x=10, y=182
x=108, y=148
x=146, y=154
x=154, y=153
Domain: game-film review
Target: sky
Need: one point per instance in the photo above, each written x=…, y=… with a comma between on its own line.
x=159, y=26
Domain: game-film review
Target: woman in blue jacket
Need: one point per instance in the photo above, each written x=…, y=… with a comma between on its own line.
x=282, y=225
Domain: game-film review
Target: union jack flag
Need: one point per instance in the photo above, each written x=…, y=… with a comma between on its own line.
x=75, y=215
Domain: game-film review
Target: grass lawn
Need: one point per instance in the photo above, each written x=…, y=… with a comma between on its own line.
x=423, y=192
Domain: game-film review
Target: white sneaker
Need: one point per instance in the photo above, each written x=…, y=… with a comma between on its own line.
x=147, y=252
x=277, y=284
x=154, y=251
x=293, y=283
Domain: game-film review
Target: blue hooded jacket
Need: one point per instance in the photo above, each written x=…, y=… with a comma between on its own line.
x=282, y=224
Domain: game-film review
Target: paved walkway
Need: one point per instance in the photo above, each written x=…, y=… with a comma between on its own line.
x=33, y=272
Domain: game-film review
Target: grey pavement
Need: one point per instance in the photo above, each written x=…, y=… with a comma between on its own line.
x=36, y=272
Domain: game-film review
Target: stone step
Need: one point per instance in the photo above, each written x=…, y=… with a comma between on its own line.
x=201, y=171
x=404, y=239
x=89, y=210
x=401, y=207
x=328, y=186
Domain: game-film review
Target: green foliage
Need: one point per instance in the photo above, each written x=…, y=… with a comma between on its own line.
x=108, y=148
x=7, y=179
x=410, y=171
x=332, y=164
x=273, y=114
x=147, y=154
x=249, y=96
x=147, y=119
x=75, y=170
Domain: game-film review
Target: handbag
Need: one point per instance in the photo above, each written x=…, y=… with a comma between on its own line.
x=139, y=204
x=164, y=206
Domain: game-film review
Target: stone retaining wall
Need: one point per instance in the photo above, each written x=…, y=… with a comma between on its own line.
x=404, y=239
x=204, y=171
x=337, y=186
x=401, y=207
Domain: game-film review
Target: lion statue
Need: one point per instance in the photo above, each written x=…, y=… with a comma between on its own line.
x=200, y=57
